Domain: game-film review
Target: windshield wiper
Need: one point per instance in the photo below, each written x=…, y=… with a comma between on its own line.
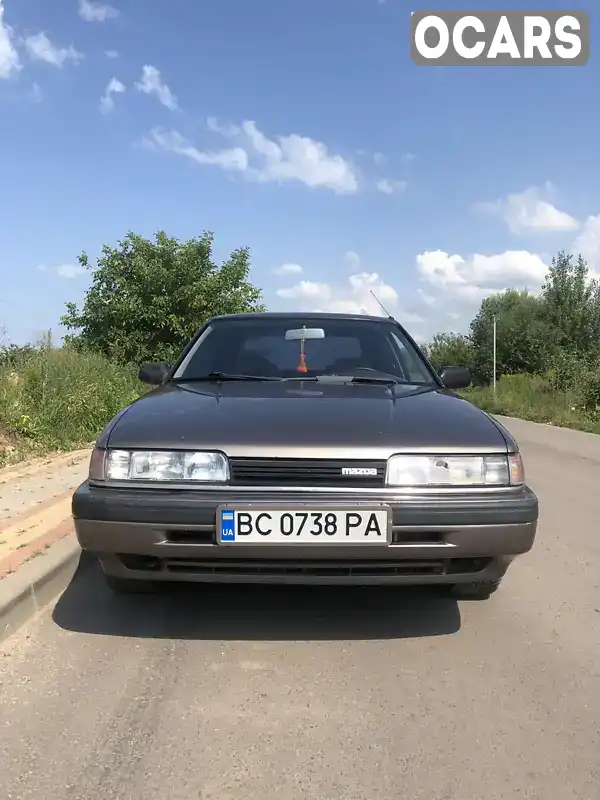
x=385, y=379
x=391, y=380
x=345, y=379
x=375, y=379
x=224, y=376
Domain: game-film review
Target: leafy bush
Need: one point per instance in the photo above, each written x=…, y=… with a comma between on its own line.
x=449, y=349
x=578, y=377
x=535, y=398
x=524, y=339
x=59, y=399
x=147, y=297
x=13, y=354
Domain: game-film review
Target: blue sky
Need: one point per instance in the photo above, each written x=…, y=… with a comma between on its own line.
x=299, y=128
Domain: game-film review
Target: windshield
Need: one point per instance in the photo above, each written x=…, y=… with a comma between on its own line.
x=259, y=348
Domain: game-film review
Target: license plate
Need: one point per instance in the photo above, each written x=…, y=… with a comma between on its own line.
x=369, y=525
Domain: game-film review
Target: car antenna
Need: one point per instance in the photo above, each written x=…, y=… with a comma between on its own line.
x=383, y=308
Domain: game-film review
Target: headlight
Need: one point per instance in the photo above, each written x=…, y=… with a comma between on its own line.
x=161, y=465
x=416, y=470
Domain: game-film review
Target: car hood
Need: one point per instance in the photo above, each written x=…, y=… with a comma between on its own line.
x=309, y=420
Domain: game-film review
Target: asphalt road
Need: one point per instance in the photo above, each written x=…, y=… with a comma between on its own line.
x=372, y=695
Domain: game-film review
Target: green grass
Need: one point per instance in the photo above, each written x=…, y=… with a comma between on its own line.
x=532, y=397
x=55, y=399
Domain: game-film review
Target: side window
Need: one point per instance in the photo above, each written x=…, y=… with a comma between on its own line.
x=411, y=365
x=199, y=358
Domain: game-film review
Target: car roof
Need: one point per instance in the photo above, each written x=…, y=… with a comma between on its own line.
x=300, y=315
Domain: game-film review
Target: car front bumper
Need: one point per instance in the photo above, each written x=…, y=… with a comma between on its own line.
x=170, y=535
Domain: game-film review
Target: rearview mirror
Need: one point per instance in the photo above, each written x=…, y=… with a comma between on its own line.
x=154, y=372
x=454, y=377
x=305, y=333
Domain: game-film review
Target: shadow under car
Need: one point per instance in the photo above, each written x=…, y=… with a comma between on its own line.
x=241, y=612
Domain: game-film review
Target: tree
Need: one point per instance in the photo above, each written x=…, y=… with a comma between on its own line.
x=572, y=304
x=450, y=349
x=525, y=341
x=148, y=297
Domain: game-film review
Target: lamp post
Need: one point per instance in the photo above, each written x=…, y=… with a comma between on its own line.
x=494, y=324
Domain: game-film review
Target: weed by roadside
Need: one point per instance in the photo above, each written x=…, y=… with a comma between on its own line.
x=54, y=399
x=537, y=398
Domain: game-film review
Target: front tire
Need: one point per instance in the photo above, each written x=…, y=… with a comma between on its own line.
x=480, y=590
x=120, y=585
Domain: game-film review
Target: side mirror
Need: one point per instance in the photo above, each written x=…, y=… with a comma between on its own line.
x=154, y=372
x=455, y=377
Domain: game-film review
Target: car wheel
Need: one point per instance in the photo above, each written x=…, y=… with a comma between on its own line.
x=129, y=585
x=474, y=591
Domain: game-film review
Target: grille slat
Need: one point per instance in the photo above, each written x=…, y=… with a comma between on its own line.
x=303, y=472
x=399, y=536
x=347, y=569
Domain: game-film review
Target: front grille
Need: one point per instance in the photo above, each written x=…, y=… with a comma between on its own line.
x=344, y=569
x=304, y=472
x=290, y=567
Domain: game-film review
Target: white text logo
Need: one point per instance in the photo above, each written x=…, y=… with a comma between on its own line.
x=358, y=471
x=503, y=38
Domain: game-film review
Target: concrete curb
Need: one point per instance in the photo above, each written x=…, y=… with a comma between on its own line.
x=36, y=583
x=25, y=469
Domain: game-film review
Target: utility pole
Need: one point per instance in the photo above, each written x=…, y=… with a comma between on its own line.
x=494, y=318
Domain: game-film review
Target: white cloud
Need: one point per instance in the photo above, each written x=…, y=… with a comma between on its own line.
x=96, y=12
x=64, y=270
x=531, y=211
x=428, y=299
x=588, y=243
x=388, y=186
x=111, y=54
x=406, y=158
x=107, y=102
x=279, y=160
x=356, y=298
x=463, y=282
x=227, y=129
x=10, y=62
x=306, y=290
x=40, y=48
x=234, y=159
x=299, y=158
x=288, y=269
x=379, y=159
x=352, y=297
x=151, y=83
x=480, y=275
